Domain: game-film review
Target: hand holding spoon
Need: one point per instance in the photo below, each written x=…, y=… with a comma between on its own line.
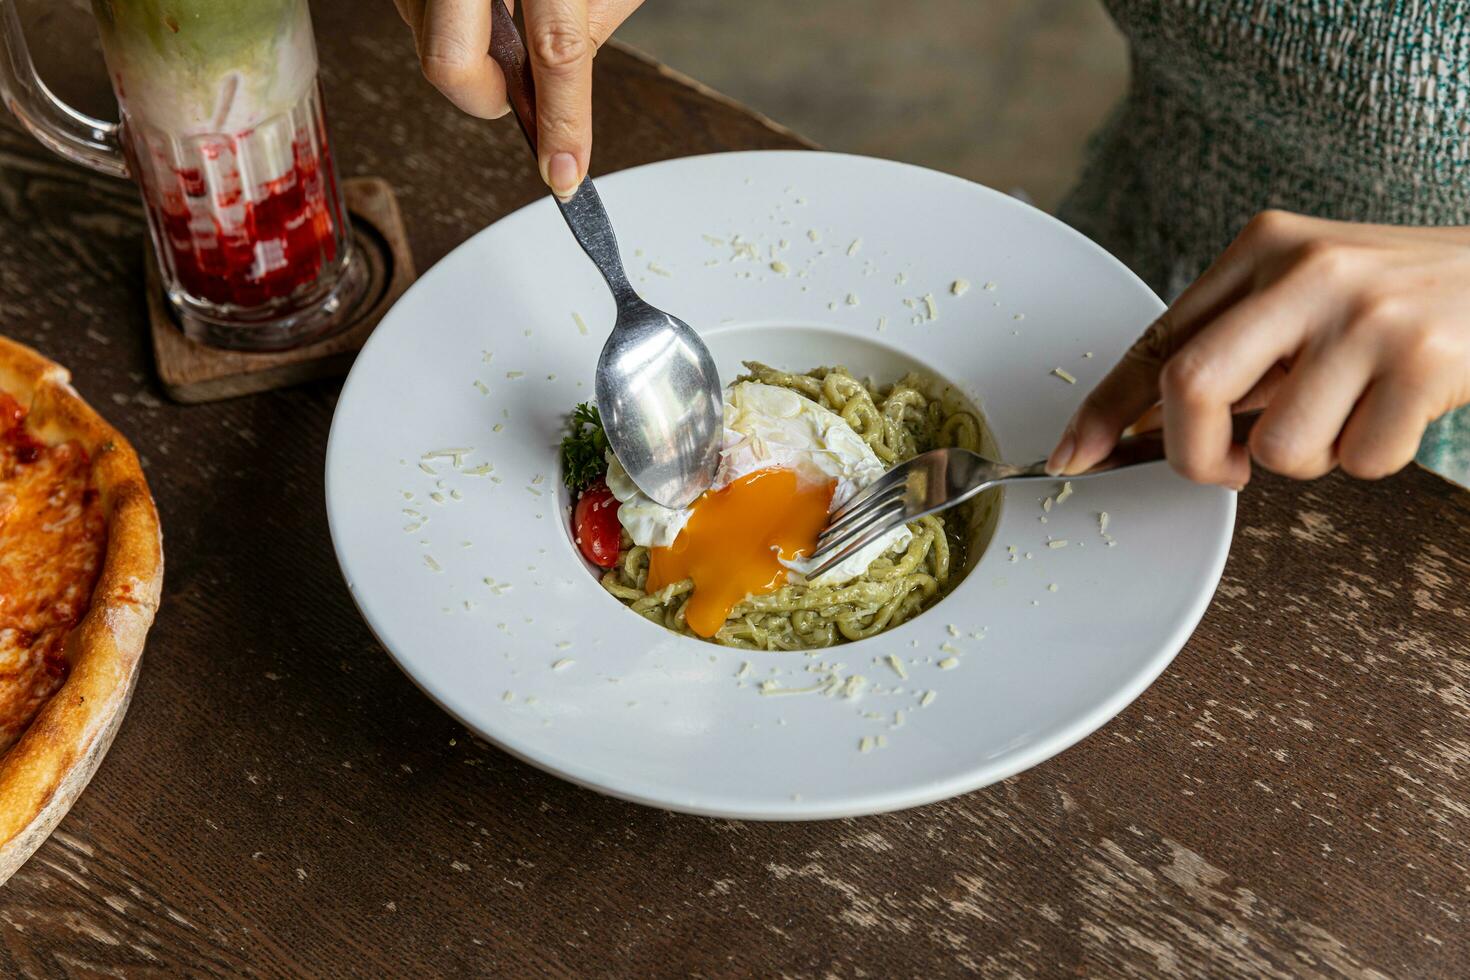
x=656, y=384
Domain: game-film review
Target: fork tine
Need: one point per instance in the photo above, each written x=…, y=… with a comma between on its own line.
x=841, y=524
x=851, y=544
x=858, y=524
x=897, y=475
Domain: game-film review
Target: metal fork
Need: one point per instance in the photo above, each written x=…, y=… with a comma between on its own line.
x=945, y=478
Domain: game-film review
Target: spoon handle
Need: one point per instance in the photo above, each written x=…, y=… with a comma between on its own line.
x=583, y=211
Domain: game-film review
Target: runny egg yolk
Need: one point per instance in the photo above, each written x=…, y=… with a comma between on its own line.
x=731, y=543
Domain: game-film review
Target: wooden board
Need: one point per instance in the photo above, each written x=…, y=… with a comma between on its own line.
x=192, y=372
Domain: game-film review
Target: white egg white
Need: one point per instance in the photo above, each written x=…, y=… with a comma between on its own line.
x=770, y=427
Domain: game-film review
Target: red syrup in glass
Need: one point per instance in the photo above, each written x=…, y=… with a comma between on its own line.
x=227, y=247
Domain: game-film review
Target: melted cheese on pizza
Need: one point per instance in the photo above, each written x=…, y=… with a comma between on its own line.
x=52, y=534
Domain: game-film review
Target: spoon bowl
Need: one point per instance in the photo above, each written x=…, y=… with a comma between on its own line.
x=659, y=395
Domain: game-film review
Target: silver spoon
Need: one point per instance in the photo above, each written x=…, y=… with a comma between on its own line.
x=656, y=384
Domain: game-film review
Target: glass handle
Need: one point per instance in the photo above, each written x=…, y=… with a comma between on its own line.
x=93, y=143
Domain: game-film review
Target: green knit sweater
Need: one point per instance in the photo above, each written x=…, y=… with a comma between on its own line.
x=1350, y=109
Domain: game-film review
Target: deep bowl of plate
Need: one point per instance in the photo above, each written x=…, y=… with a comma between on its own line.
x=450, y=526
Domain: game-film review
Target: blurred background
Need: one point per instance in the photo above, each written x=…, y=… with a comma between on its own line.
x=1004, y=92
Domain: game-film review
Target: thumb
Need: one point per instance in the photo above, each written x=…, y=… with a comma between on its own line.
x=1130, y=389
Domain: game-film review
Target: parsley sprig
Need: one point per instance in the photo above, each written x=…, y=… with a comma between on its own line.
x=584, y=449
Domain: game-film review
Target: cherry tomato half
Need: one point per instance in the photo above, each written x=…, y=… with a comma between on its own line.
x=595, y=525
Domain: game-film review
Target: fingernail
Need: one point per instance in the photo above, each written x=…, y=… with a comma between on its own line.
x=561, y=174
x=1061, y=456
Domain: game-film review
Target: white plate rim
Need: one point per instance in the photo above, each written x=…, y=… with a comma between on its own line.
x=979, y=775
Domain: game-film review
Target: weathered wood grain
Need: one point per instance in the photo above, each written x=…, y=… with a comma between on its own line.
x=1289, y=799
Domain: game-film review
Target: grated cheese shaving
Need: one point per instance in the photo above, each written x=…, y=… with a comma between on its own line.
x=563, y=663
x=481, y=386
x=771, y=688
x=931, y=311
x=1064, y=374
x=927, y=699
x=1058, y=543
x=659, y=270
x=855, y=247
x=960, y=287
x=454, y=454
x=866, y=744
x=512, y=375
x=429, y=560
x=743, y=250
x=897, y=666
x=949, y=663
x=1066, y=492
x=882, y=323
x=581, y=323
x=1102, y=522
x=780, y=268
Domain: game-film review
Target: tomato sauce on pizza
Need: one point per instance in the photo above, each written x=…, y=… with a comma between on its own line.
x=52, y=538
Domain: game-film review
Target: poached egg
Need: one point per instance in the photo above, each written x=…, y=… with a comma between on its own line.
x=786, y=463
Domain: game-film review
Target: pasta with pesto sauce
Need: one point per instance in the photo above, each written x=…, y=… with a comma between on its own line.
x=897, y=422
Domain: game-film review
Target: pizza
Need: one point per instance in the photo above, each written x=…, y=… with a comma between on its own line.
x=81, y=567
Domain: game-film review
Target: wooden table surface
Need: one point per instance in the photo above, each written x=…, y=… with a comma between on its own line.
x=1292, y=797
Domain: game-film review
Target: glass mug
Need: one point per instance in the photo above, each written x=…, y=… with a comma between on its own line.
x=223, y=132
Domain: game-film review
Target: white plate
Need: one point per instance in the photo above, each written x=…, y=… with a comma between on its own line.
x=649, y=716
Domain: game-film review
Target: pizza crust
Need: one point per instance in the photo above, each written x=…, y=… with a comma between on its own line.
x=48, y=767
